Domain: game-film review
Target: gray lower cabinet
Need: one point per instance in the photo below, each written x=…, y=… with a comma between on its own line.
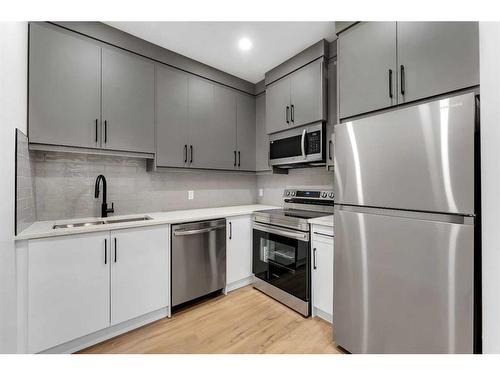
x=278, y=105
x=261, y=137
x=245, y=131
x=436, y=57
x=127, y=101
x=307, y=94
x=172, y=132
x=366, y=61
x=64, y=88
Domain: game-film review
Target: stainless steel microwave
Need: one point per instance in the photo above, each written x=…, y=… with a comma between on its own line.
x=298, y=147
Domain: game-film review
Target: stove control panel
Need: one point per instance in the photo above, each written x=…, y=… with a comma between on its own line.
x=308, y=195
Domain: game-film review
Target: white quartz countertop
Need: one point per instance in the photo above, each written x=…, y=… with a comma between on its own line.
x=42, y=229
x=323, y=220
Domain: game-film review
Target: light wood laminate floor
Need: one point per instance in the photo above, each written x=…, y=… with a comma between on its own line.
x=244, y=321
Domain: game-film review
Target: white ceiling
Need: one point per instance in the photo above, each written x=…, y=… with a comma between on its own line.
x=216, y=43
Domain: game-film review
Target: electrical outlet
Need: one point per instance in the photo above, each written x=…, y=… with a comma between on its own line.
x=261, y=192
x=190, y=194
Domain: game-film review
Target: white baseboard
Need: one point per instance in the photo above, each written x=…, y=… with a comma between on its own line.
x=322, y=314
x=238, y=284
x=107, y=333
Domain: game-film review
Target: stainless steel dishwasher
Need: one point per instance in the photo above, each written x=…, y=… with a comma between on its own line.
x=198, y=259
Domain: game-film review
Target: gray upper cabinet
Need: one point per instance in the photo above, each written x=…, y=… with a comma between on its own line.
x=127, y=101
x=382, y=64
x=297, y=99
x=278, y=105
x=245, y=131
x=64, y=89
x=307, y=94
x=172, y=132
x=366, y=61
x=332, y=110
x=436, y=57
x=261, y=137
x=212, y=124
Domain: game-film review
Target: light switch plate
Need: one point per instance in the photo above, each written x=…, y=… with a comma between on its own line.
x=190, y=194
x=261, y=192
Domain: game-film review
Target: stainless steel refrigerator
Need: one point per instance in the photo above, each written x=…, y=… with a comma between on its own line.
x=405, y=220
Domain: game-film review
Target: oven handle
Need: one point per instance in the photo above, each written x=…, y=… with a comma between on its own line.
x=301, y=236
x=303, y=143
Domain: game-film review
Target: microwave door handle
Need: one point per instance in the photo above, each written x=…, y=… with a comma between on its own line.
x=303, y=143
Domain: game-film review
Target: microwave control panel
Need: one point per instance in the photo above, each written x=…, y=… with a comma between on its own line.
x=314, y=142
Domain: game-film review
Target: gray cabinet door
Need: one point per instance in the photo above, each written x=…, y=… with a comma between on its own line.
x=437, y=57
x=307, y=94
x=278, y=105
x=332, y=110
x=127, y=101
x=172, y=131
x=245, y=131
x=262, y=139
x=212, y=125
x=64, y=88
x=367, y=54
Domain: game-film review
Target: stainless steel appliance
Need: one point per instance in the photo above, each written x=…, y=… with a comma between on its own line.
x=405, y=220
x=281, y=247
x=298, y=147
x=198, y=259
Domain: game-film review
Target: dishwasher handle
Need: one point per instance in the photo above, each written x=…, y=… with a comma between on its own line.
x=197, y=231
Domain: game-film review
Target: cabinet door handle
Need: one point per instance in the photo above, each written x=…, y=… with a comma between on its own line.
x=96, y=130
x=191, y=154
x=286, y=114
x=390, y=83
x=230, y=230
x=115, y=250
x=239, y=158
x=403, y=84
x=105, y=251
x=292, y=113
x=330, y=144
x=314, y=259
x=185, y=153
x=234, y=158
x=105, y=131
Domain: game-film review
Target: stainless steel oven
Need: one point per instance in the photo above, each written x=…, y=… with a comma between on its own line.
x=281, y=247
x=281, y=259
x=298, y=146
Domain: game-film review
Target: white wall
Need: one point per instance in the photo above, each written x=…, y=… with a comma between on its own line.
x=489, y=34
x=13, y=97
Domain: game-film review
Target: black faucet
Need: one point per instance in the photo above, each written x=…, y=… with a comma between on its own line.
x=104, y=207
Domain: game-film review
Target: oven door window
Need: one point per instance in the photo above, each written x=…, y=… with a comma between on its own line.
x=282, y=262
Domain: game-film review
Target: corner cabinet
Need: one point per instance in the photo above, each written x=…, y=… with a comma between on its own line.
x=383, y=64
x=245, y=132
x=83, y=93
x=83, y=284
x=238, y=252
x=297, y=99
x=262, y=138
x=322, y=271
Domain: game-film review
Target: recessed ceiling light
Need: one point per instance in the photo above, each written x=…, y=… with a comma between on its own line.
x=245, y=44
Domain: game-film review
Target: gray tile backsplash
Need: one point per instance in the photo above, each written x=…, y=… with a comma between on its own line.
x=25, y=195
x=63, y=186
